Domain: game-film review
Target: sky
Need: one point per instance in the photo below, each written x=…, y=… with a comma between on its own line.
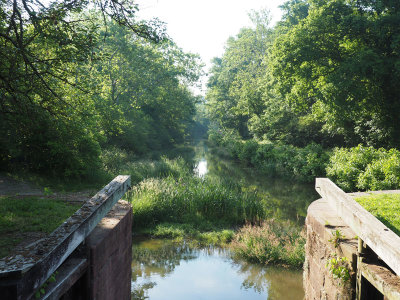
x=203, y=26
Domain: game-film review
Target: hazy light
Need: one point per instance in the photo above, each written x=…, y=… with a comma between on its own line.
x=203, y=27
x=201, y=168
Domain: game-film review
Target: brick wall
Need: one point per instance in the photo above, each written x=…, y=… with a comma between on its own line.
x=110, y=255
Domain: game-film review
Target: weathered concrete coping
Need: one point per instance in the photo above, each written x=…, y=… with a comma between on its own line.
x=32, y=266
x=384, y=242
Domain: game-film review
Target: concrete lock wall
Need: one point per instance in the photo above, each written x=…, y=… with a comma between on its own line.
x=319, y=281
x=109, y=252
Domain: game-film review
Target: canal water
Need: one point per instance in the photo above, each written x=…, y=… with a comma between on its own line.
x=163, y=269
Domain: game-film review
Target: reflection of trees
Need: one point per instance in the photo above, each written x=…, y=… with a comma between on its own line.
x=161, y=257
x=280, y=283
x=160, y=260
x=139, y=292
x=254, y=274
x=285, y=199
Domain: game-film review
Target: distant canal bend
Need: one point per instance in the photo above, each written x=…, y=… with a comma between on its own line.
x=162, y=269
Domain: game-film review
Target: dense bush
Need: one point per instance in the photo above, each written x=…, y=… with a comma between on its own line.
x=365, y=168
x=357, y=168
x=304, y=164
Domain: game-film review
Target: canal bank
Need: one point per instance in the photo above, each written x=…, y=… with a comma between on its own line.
x=283, y=200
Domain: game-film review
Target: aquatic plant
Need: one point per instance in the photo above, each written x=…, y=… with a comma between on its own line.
x=193, y=200
x=272, y=242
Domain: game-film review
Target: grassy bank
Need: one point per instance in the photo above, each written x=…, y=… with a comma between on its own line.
x=169, y=201
x=385, y=207
x=19, y=216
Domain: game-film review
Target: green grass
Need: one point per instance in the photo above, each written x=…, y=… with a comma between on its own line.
x=193, y=200
x=385, y=207
x=30, y=214
x=273, y=242
x=192, y=234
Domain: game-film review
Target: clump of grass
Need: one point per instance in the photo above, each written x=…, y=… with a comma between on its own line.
x=192, y=200
x=165, y=167
x=273, y=242
x=195, y=235
x=385, y=207
x=30, y=214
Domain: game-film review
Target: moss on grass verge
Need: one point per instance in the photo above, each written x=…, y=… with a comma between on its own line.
x=29, y=214
x=385, y=207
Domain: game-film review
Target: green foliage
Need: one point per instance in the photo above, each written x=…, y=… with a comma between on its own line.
x=304, y=164
x=79, y=83
x=273, y=242
x=337, y=237
x=202, y=234
x=338, y=57
x=365, y=168
x=384, y=207
x=326, y=74
x=42, y=290
x=192, y=200
x=233, y=94
x=338, y=267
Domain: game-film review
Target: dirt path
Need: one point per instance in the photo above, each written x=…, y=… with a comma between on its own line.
x=10, y=186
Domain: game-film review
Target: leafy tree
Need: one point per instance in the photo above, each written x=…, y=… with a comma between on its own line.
x=76, y=76
x=233, y=94
x=342, y=62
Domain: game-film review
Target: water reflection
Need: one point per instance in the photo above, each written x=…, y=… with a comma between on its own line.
x=164, y=270
x=201, y=168
x=284, y=199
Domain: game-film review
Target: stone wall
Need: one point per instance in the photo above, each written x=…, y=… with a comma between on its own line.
x=110, y=255
x=319, y=283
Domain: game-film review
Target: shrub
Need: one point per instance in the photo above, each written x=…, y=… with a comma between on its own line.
x=383, y=173
x=346, y=165
x=365, y=168
x=247, y=151
x=304, y=164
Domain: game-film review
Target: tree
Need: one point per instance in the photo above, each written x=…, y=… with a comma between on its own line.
x=341, y=62
x=233, y=89
x=75, y=76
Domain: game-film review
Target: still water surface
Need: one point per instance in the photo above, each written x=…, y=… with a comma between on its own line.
x=286, y=199
x=163, y=270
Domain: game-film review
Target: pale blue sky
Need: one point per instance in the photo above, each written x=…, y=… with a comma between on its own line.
x=203, y=26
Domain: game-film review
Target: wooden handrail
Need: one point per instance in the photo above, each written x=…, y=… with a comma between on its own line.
x=32, y=266
x=384, y=242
